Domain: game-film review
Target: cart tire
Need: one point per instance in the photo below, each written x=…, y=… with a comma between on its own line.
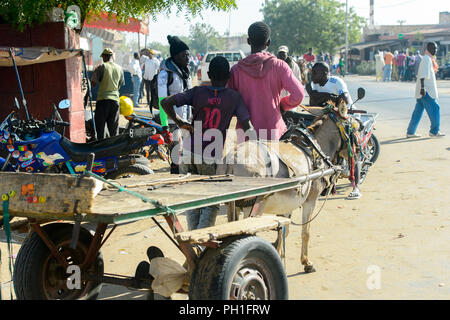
x=375, y=149
x=133, y=170
x=242, y=267
x=38, y=276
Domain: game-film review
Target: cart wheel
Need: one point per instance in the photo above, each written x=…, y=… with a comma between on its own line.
x=242, y=268
x=130, y=171
x=39, y=276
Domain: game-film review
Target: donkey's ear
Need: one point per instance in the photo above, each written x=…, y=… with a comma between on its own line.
x=342, y=108
x=315, y=111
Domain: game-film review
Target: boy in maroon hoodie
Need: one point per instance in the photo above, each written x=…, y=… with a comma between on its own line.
x=260, y=79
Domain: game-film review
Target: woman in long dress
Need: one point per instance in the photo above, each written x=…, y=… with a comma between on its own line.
x=379, y=65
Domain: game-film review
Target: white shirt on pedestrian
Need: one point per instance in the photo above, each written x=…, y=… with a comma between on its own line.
x=151, y=68
x=297, y=73
x=334, y=85
x=426, y=72
x=135, y=68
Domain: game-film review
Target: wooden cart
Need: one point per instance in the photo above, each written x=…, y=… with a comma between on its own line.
x=226, y=261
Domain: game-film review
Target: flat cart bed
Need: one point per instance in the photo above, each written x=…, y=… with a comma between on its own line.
x=111, y=206
x=148, y=196
x=179, y=192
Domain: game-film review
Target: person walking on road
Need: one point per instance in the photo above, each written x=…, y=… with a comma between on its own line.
x=426, y=95
x=136, y=72
x=388, y=58
x=110, y=78
x=379, y=65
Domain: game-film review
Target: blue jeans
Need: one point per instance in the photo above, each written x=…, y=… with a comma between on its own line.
x=433, y=111
x=136, y=90
x=401, y=73
x=202, y=218
x=387, y=72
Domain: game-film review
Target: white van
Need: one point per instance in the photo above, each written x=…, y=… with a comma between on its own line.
x=202, y=74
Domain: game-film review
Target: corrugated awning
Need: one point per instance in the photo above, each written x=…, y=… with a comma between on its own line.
x=101, y=33
x=104, y=21
x=33, y=55
x=365, y=45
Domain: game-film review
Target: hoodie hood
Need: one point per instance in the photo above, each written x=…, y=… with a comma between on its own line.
x=257, y=65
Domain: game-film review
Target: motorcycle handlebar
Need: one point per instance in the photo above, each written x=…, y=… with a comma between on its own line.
x=62, y=123
x=356, y=111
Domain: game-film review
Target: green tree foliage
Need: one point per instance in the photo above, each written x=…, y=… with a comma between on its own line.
x=23, y=13
x=303, y=24
x=203, y=37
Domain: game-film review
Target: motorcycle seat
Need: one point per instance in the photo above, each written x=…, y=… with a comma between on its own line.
x=113, y=146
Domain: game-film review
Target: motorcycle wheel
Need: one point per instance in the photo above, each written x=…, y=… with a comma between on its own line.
x=130, y=171
x=374, y=146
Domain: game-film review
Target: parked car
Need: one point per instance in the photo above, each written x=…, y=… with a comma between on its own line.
x=232, y=56
x=444, y=71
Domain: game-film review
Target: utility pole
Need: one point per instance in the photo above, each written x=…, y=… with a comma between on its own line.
x=372, y=20
x=346, y=36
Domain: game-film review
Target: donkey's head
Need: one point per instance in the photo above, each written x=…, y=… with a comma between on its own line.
x=325, y=128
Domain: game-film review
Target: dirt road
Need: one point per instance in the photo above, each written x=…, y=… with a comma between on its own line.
x=393, y=243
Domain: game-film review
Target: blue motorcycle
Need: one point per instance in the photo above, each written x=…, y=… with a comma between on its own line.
x=35, y=146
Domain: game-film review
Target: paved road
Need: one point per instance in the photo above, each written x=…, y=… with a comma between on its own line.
x=395, y=101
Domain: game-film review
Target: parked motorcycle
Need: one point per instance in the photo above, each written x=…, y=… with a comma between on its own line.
x=162, y=150
x=34, y=146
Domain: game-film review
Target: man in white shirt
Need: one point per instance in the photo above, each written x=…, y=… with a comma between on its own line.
x=323, y=86
x=283, y=54
x=426, y=95
x=136, y=73
x=151, y=68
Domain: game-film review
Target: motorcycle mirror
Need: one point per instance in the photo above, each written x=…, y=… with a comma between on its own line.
x=64, y=104
x=16, y=103
x=361, y=93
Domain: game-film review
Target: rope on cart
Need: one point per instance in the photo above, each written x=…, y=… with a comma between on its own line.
x=330, y=188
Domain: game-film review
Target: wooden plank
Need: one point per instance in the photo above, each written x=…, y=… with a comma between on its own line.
x=247, y=226
x=59, y=194
x=110, y=202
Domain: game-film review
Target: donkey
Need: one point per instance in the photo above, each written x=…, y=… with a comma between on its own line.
x=266, y=159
